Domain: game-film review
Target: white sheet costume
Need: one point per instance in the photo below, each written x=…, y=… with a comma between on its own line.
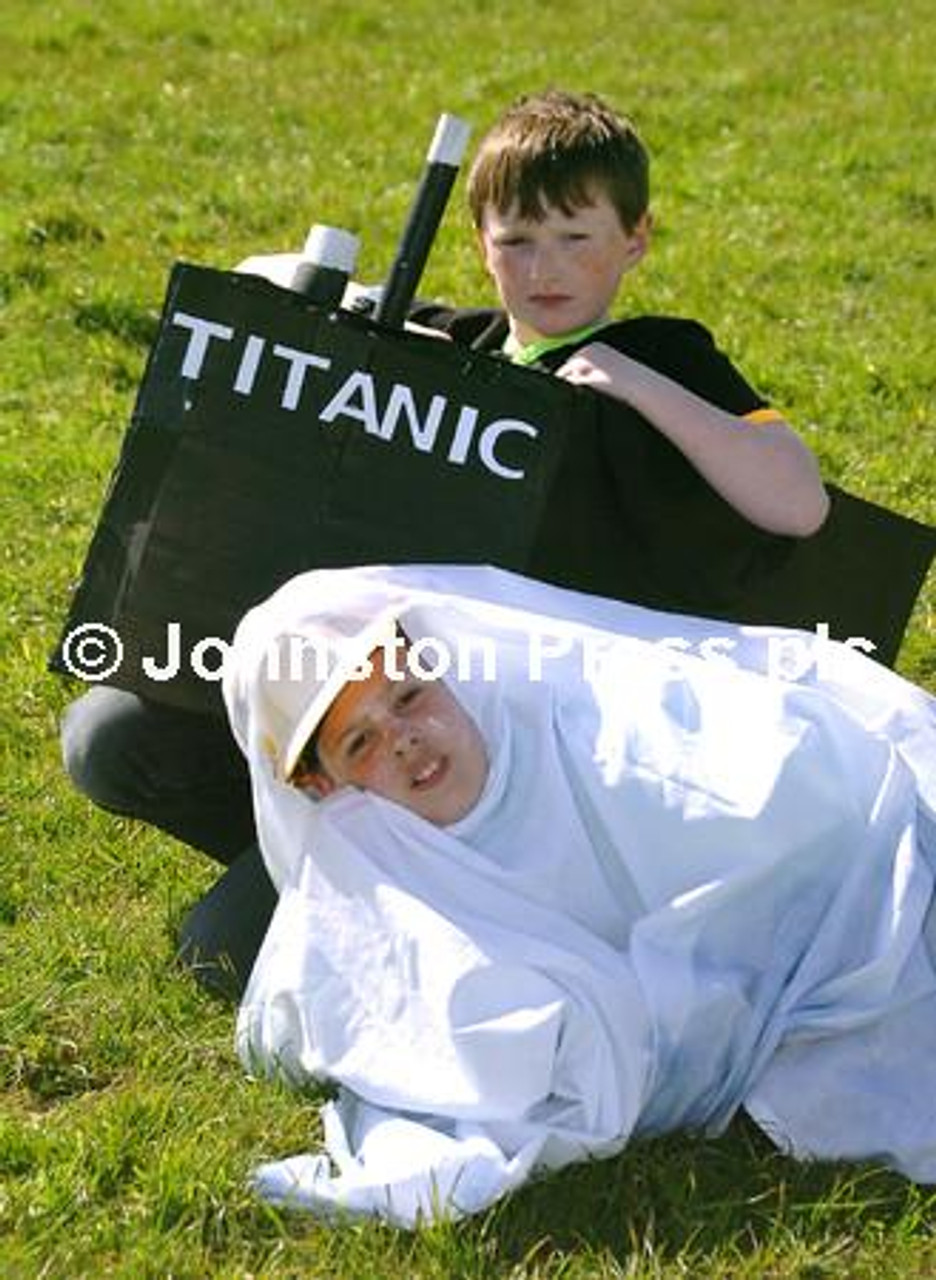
x=698, y=878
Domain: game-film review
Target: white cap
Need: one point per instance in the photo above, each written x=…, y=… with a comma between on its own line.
x=302, y=673
x=331, y=247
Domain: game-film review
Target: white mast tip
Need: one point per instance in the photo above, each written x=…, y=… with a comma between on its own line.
x=449, y=141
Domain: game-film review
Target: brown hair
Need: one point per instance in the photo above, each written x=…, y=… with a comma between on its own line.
x=557, y=148
x=308, y=760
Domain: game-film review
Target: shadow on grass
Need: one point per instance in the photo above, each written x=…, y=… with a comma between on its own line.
x=698, y=1199
x=133, y=324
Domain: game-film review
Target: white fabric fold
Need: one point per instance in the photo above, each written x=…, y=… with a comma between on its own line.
x=692, y=883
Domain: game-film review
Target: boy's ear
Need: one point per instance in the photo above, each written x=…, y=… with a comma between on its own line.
x=640, y=238
x=314, y=781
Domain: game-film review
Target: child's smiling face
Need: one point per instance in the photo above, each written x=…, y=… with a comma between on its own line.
x=408, y=740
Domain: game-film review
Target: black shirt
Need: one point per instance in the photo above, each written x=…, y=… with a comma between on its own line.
x=629, y=516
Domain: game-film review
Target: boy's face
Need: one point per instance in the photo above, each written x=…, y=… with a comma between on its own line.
x=562, y=272
x=408, y=740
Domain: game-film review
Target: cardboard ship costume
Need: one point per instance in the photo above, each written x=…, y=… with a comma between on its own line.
x=275, y=432
x=699, y=878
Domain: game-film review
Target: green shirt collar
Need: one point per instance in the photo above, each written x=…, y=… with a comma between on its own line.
x=530, y=352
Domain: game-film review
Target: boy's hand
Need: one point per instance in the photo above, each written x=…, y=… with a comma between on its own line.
x=594, y=365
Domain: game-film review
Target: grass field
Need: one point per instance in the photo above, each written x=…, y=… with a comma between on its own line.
x=795, y=196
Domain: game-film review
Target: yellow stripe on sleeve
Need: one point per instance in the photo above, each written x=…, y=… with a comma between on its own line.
x=763, y=415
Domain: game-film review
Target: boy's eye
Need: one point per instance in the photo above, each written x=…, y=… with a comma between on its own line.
x=408, y=695
x=356, y=745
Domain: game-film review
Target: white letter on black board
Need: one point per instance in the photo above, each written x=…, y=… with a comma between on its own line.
x=299, y=364
x=489, y=439
x=201, y=332
x=341, y=402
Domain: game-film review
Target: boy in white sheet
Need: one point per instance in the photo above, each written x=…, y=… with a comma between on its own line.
x=629, y=887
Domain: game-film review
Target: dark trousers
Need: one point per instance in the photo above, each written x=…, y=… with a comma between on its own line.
x=183, y=773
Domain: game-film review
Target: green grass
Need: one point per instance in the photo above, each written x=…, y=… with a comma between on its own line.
x=796, y=215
